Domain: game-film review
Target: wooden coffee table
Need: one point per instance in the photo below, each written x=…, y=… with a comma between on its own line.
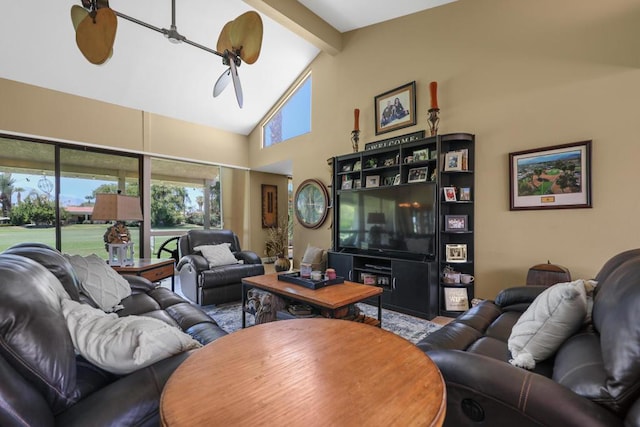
x=150, y=268
x=332, y=297
x=306, y=372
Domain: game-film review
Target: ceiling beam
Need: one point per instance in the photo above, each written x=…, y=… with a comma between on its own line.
x=302, y=21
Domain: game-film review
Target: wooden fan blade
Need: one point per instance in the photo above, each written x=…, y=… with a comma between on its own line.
x=224, y=41
x=222, y=82
x=78, y=13
x=246, y=36
x=95, y=40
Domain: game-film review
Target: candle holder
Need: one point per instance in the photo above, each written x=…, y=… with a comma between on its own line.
x=434, y=120
x=355, y=137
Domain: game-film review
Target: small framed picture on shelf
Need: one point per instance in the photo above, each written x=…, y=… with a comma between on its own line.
x=418, y=174
x=346, y=167
x=396, y=179
x=456, y=299
x=465, y=194
x=347, y=184
x=456, y=223
x=421, y=155
x=456, y=252
x=357, y=183
x=449, y=194
x=372, y=181
x=453, y=161
x=357, y=166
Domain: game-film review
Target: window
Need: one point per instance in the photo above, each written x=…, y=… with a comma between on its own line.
x=292, y=119
x=184, y=196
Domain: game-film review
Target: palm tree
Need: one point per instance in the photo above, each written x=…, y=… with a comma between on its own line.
x=6, y=189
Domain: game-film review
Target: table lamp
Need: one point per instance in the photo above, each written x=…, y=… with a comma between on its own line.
x=119, y=208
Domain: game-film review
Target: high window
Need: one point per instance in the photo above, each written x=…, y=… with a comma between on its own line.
x=292, y=118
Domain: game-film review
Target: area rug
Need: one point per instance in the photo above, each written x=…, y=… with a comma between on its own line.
x=229, y=317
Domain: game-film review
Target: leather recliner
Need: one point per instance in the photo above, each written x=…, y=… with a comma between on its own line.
x=592, y=380
x=43, y=382
x=206, y=285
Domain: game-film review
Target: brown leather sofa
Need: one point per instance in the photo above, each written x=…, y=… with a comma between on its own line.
x=206, y=285
x=43, y=382
x=592, y=380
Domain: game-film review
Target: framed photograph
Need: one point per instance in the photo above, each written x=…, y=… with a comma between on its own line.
x=372, y=181
x=395, y=109
x=347, y=184
x=551, y=177
x=421, y=155
x=357, y=183
x=453, y=161
x=456, y=223
x=456, y=252
x=456, y=299
x=449, y=194
x=396, y=179
x=465, y=194
x=418, y=174
x=269, y=206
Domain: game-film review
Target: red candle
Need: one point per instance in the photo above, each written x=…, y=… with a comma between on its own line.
x=356, y=119
x=433, y=89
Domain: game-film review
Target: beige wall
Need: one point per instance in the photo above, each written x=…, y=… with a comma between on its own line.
x=519, y=75
x=47, y=114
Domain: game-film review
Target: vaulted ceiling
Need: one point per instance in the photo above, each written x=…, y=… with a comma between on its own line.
x=149, y=73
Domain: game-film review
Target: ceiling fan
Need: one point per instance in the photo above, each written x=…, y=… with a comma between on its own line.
x=239, y=41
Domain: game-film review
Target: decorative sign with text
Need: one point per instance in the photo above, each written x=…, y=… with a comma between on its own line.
x=410, y=137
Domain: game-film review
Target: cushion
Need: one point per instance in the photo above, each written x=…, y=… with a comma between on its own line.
x=122, y=344
x=217, y=255
x=101, y=283
x=316, y=257
x=555, y=315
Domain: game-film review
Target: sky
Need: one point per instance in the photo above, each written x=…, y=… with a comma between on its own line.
x=73, y=190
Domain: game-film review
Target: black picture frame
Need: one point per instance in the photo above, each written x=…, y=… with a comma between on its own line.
x=554, y=177
x=387, y=117
x=456, y=223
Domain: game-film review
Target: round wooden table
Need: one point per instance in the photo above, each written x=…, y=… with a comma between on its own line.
x=306, y=372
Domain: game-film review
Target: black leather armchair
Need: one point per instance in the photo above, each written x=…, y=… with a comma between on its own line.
x=43, y=382
x=592, y=380
x=204, y=285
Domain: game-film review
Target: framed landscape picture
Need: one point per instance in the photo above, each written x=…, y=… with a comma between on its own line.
x=417, y=174
x=395, y=109
x=551, y=177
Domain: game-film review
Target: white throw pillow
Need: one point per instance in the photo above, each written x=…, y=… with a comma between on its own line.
x=217, y=255
x=122, y=344
x=555, y=315
x=101, y=283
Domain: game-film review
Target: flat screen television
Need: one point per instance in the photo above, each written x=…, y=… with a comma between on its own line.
x=395, y=221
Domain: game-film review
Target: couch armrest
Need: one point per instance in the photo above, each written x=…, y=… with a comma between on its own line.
x=198, y=262
x=518, y=295
x=139, y=283
x=248, y=257
x=482, y=390
x=133, y=400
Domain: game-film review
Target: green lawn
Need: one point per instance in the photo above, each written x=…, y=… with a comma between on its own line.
x=81, y=239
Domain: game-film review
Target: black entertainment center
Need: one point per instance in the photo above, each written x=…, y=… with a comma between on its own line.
x=388, y=216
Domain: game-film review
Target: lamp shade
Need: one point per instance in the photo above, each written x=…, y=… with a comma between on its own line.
x=116, y=207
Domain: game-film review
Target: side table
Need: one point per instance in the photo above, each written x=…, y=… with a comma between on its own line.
x=151, y=269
